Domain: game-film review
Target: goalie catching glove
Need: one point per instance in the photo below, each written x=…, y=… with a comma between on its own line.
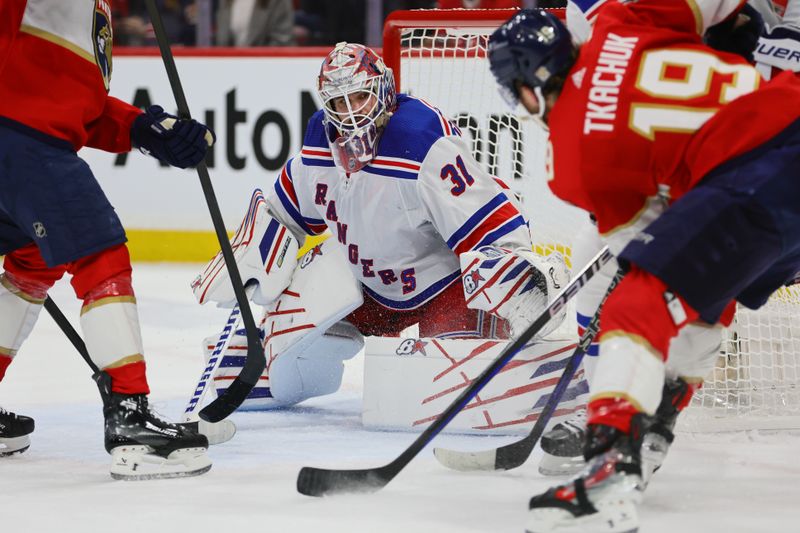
x=514, y=285
x=265, y=253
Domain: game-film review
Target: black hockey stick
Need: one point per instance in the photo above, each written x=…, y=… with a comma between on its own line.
x=215, y=436
x=255, y=362
x=515, y=454
x=73, y=336
x=319, y=481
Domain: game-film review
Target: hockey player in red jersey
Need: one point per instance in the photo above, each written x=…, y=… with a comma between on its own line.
x=645, y=133
x=55, y=67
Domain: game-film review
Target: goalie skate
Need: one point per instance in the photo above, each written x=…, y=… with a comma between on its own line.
x=14, y=433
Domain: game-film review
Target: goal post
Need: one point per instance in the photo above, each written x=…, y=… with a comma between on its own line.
x=440, y=56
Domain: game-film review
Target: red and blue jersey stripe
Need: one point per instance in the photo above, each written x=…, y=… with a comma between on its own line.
x=284, y=188
x=487, y=225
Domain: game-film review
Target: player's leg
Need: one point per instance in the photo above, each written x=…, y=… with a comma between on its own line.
x=23, y=288
x=562, y=446
x=639, y=320
x=23, y=285
x=60, y=206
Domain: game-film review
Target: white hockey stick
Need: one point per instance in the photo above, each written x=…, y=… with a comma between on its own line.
x=224, y=430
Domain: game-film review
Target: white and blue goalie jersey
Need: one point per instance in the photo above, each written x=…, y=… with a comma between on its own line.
x=404, y=218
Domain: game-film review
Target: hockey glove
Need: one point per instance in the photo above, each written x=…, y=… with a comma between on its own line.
x=737, y=35
x=778, y=50
x=177, y=142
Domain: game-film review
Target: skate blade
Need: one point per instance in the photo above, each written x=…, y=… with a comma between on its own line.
x=138, y=463
x=14, y=445
x=612, y=516
x=553, y=465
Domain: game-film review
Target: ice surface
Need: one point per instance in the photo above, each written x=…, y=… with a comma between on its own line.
x=732, y=483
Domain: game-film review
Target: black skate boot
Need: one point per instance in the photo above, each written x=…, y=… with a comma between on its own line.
x=145, y=446
x=659, y=436
x=605, y=495
x=14, y=431
x=563, y=446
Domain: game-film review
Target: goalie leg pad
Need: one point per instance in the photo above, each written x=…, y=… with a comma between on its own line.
x=301, y=361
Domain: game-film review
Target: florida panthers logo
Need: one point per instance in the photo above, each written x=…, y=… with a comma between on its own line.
x=102, y=36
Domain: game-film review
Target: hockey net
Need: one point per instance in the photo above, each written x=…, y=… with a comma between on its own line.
x=440, y=56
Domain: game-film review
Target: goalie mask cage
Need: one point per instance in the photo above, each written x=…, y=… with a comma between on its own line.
x=440, y=56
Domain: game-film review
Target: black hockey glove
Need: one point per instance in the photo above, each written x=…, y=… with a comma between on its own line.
x=178, y=142
x=738, y=35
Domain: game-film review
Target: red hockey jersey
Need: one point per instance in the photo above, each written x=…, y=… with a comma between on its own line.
x=55, y=68
x=649, y=109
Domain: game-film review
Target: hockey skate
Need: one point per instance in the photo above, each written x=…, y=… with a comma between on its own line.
x=604, y=497
x=14, y=431
x=563, y=446
x=142, y=444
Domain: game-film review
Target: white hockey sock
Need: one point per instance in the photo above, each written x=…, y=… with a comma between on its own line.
x=110, y=324
x=19, y=309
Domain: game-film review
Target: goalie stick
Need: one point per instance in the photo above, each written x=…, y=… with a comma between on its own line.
x=516, y=453
x=313, y=481
x=255, y=362
x=217, y=433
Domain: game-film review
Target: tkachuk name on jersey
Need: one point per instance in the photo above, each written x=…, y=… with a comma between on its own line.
x=601, y=110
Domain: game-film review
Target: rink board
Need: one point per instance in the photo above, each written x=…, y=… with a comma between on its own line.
x=408, y=382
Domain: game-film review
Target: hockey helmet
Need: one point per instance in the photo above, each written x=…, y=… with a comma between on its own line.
x=358, y=95
x=533, y=47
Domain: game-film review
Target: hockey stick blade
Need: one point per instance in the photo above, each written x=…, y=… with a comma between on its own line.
x=320, y=482
x=323, y=482
x=255, y=362
x=516, y=453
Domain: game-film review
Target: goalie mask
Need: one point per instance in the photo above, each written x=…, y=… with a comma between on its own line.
x=358, y=96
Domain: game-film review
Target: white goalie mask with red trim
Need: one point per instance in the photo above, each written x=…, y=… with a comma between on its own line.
x=358, y=96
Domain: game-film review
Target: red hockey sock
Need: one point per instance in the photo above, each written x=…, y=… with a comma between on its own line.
x=614, y=412
x=129, y=379
x=4, y=362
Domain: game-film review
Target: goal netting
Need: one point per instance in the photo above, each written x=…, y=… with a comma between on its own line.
x=440, y=56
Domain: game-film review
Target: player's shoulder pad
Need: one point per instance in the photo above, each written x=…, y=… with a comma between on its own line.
x=414, y=127
x=315, y=132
